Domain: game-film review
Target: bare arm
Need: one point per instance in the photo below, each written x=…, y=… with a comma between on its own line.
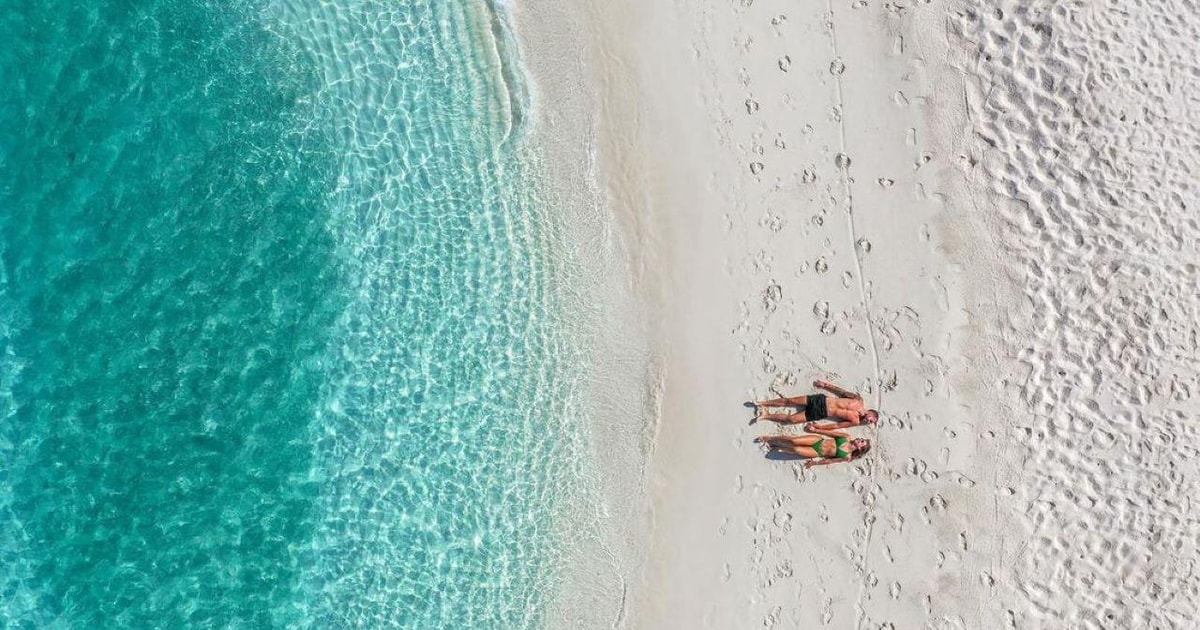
x=824, y=461
x=840, y=392
x=830, y=426
x=827, y=431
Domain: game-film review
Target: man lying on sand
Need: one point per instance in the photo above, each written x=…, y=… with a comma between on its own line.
x=847, y=408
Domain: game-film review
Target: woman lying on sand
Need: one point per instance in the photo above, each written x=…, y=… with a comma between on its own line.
x=821, y=447
x=847, y=407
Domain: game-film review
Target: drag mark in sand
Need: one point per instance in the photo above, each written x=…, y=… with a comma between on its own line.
x=837, y=67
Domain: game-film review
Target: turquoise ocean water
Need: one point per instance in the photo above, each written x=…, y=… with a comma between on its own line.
x=280, y=344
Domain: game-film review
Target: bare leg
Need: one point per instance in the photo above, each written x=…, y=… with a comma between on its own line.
x=794, y=418
x=794, y=401
x=799, y=445
x=789, y=441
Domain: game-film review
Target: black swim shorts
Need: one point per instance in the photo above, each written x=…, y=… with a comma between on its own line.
x=815, y=408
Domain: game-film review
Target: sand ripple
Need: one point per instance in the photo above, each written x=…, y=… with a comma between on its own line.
x=1086, y=128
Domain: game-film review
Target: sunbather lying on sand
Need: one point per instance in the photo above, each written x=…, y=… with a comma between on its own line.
x=847, y=408
x=820, y=446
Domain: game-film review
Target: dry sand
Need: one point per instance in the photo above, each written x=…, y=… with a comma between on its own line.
x=978, y=215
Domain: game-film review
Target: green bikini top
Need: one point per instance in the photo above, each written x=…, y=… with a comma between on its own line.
x=839, y=442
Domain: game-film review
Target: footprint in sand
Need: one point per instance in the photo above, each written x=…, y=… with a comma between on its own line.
x=771, y=297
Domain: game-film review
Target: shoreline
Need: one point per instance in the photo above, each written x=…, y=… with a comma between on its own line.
x=604, y=534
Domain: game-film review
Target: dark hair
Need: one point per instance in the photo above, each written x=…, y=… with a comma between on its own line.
x=861, y=450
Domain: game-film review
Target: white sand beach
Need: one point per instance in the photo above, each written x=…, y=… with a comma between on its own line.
x=981, y=216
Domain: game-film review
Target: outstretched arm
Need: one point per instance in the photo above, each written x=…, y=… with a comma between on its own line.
x=828, y=431
x=824, y=461
x=830, y=426
x=840, y=392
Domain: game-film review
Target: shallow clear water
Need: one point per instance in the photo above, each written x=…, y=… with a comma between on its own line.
x=279, y=340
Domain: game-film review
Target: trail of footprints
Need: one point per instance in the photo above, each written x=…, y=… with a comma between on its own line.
x=803, y=308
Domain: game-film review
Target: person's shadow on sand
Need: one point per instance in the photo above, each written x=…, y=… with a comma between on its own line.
x=754, y=409
x=771, y=454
